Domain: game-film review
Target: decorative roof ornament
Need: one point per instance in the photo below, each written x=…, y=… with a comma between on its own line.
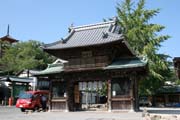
x=8, y=30
x=58, y=61
x=7, y=37
x=70, y=27
x=105, y=35
x=115, y=19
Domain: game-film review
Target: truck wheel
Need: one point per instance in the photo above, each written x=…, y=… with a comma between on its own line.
x=36, y=109
x=23, y=110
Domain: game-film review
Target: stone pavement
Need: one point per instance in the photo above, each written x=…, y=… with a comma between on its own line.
x=168, y=110
x=12, y=113
x=161, y=113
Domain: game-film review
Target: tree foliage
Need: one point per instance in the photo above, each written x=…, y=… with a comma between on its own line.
x=144, y=37
x=24, y=55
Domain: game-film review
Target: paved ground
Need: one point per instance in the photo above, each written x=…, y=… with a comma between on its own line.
x=170, y=110
x=161, y=113
x=12, y=113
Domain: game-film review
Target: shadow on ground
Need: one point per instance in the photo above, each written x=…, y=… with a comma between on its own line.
x=162, y=110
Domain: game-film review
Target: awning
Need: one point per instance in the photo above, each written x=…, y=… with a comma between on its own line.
x=51, y=69
x=127, y=63
x=17, y=79
x=169, y=89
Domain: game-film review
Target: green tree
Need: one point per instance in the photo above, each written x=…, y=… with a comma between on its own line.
x=143, y=36
x=24, y=55
x=3, y=45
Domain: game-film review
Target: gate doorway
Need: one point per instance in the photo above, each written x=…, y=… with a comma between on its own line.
x=92, y=96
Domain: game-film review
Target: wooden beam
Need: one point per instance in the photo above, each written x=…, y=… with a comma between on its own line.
x=109, y=95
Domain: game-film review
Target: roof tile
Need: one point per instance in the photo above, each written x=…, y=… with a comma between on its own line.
x=87, y=35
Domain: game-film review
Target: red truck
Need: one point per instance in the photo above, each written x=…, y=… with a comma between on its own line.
x=31, y=100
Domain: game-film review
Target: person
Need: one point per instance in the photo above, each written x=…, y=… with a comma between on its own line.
x=44, y=102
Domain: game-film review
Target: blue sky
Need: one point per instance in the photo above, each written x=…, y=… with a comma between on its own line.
x=48, y=20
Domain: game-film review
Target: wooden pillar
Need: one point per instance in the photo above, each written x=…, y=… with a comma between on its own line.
x=166, y=101
x=11, y=99
x=12, y=90
x=50, y=93
x=69, y=104
x=109, y=95
x=136, y=94
x=67, y=108
x=67, y=96
x=132, y=93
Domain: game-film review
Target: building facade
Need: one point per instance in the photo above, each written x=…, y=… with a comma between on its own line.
x=98, y=70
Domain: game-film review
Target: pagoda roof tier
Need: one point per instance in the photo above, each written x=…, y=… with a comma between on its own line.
x=9, y=39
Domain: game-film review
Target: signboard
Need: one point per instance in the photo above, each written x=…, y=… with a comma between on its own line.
x=76, y=94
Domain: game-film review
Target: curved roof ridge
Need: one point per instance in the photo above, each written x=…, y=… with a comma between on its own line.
x=115, y=35
x=90, y=26
x=62, y=40
x=51, y=44
x=87, y=35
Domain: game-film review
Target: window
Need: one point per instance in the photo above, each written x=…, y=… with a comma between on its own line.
x=73, y=63
x=86, y=54
x=87, y=59
x=120, y=87
x=25, y=95
x=43, y=85
x=58, y=89
x=174, y=98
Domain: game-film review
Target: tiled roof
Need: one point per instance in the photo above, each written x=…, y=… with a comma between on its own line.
x=17, y=79
x=55, y=67
x=127, y=63
x=122, y=63
x=169, y=89
x=51, y=69
x=9, y=39
x=88, y=35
